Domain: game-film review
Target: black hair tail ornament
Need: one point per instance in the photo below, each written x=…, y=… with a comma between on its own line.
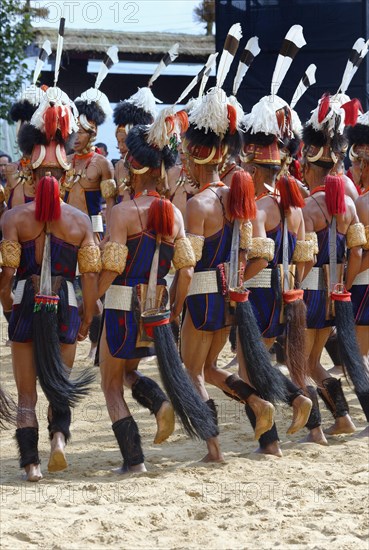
x=194, y=413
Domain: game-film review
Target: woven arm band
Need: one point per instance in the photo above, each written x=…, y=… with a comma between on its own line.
x=304, y=251
x=312, y=236
x=11, y=253
x=108, y=189
x=89, y=259
x=262, y=247
x=197, y=243
x=2, y=194
x=114, y=257
x=245, y=235
x=184, y=255
x=355, y=235
x=366, y=245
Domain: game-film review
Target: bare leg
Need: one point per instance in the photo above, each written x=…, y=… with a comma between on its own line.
x=195, y=347
x=25, y=379
x=112, y=377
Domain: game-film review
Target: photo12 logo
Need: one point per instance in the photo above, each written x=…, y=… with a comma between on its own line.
x=89, y=12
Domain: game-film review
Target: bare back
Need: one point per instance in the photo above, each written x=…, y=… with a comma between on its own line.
x=272, y=216
x=317, y=217
x=206, y=211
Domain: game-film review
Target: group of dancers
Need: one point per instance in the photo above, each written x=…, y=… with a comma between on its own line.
x=265, y=235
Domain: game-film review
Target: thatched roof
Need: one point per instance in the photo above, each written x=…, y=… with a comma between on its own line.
x=149, y=43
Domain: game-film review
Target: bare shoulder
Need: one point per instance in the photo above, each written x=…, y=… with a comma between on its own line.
x=362, y=208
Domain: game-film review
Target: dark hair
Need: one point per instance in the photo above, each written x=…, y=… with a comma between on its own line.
x=102, y=145
x=6, y=155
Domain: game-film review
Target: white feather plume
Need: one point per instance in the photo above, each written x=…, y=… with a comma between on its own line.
x=93, y=94
x=59, y=49
x=159, y=131
x=46, y=46
x=112, y=53
x=294, y=35
x=301, y=88
x=170, y=56
x=145, y=99
x=208, y=65
x=363, y=119
x=296, y=123
x=210, y=112
x=253, y=47
x=361, y=47
x=234, y=33
x=262, y=117
x=57, y=97
x=333, y=123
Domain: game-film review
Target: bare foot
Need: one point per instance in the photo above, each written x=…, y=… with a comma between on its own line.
x=301, y=410
x=231, y=363
x=272, y=449
x=342, y=425
x=33, y=472
x=315, y=435
x=124, y=470
x=214, y=452
x=363, y=433
x=57, y=460
x=264, y=412
x=337, y=370
x=165, y=421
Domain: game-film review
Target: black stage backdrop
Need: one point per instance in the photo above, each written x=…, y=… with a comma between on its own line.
x=330, y=30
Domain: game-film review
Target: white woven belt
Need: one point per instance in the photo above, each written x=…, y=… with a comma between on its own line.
x=362, y=278
x=203, y=282
x=314, y=280
x=119, y=297
x=19, y=291
x=97, y=224
x=262, y=280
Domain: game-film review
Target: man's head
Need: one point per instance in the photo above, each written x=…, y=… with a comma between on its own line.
x=103, y=149
x=5, y=159
x=83, y=141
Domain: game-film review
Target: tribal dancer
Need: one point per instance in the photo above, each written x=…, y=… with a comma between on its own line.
x=20, y=185
x=42, y=242
x=128, y=266
x=335, y=226
x=359, y=156
x=90, y=180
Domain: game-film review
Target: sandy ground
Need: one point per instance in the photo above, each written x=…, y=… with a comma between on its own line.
x=314, y=497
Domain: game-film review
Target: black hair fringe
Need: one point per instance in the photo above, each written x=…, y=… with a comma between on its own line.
x=92, y=111
x=127, y=113
x=358, y=134
x=234, y=142
x=29, y=136
x=259, y=138
x=194, y=414
x=145, y=154
x=199, y=137
x=22, y=110
x=314, y=137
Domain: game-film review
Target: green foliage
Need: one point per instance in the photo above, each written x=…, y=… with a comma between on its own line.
x=16, y=34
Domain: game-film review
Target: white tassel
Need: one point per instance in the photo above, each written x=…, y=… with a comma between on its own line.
x=159, y=132
x=363, y=119
x=42, y=58
x=168, y=58
x=205, y=70
x=92, y=94
x=145, y=99
x=296, y=123
x=230, y=48
x=110, y=60
x=334, y=121
x=263, y=116
x=250, y=52
x=210, y=112
x=293, y=41
x=307, y=80
x=59, y=49
x=359, y=51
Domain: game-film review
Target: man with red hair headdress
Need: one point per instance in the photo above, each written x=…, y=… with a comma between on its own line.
x=42, y=242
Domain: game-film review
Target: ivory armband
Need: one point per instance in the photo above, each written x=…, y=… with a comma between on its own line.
x=2, y=194
x=355, y=235
x=312, y=236
x=89, y=259
x=114, y=257
x=261, y=247
x=184, y=255
x=108, y=189
x=197, y=243
x=245, y=235
x=304, y=251
x=366, y=245
x=11, y=253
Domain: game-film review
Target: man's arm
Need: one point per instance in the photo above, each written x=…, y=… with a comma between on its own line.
x=113, y=255
x=108, y=187
x=356, y=252
x=183, y=277
x=10, y=234
x=255, y=265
